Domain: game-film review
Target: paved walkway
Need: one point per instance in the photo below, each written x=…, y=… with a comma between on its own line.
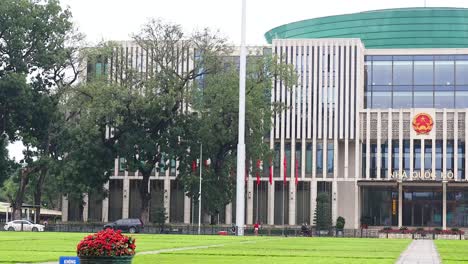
x=420, y=252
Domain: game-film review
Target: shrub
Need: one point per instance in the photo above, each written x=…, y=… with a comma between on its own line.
x=106, y=243
x=340, y=222
x=403, y=228
x=322, y=218
x=387, y=228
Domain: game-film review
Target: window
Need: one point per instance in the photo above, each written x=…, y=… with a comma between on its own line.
x=461, y=70
x=381, y=97
x=423, y=70
x=381, y=73
x=403, y=72
x=287, y=153
x=461, y=160
x=444, y=97
x=423, y=97
x=444, y=72
x=417, y=154
x=309, y=161
x=330, y=158
x=122, y=164
x=395, y=156
x=402, y=97
x=319, y=158
x=428, y=155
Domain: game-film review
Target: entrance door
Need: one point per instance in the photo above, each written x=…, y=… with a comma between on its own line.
x=422, y=208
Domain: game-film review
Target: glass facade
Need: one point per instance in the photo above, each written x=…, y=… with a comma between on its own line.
x=380, y=205
x=422, y=206
x=416, y=82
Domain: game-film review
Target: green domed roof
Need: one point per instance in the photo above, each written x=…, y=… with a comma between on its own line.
x=431, y=27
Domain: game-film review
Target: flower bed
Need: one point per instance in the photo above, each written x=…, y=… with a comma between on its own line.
x=107, y=246
x=435, y=233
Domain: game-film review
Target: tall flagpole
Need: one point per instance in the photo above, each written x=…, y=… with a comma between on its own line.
x=240, y=187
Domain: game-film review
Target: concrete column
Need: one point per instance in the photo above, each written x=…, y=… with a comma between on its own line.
x=455, y=146
x=368, y=135
x=357, y=205
x=187, y=204
x=85, y=207
x=400, y=143
x=292, y=202
x=125, y=197
x=229, y=214
x=250, y=195
x=7, y=212
x=64, y=208
x=444, y=144
x=423, y=142
x=313, y=200
x=411, y=149
x=167, y=197
x=271, y=204
x=390, y=145
x=400, y=204
x=444, y=205
x=105, y=205
x=379, y=144
x=334, y=201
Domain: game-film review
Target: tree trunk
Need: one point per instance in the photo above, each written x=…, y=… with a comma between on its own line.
x=38, y=193
x=18, y=203
x=145, y=197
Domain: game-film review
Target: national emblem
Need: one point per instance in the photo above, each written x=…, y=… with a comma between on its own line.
x=422, y=124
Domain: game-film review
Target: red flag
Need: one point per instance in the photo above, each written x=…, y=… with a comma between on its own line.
x=271, y=173
x=297, y=171
x=258, y=171
x=194, y=166
x=285, y=162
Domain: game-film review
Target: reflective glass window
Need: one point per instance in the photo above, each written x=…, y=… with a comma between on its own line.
x=308, y=168
x=402, y=97
x=461, y=97
x=461, y=72
x=402, y=72
x=395, y=155
x=461, y=160
x=423, y=97
x=444, y=97
x=450, y=155
x=319, y=158
x=382, y=73
x=423, y=72
x=277, y=161
x=417, y=154
x=444, y=72
x=438, y=158
x=427, y=155
x=363, y=159
x=373, y=161
x=384, y=160
x=381, y=97
x=330, y=158
x=406, y=156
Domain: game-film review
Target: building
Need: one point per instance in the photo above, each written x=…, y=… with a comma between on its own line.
x=377, y=121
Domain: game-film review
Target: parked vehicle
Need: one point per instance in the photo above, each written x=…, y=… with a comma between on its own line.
x=131, y=225
x=27, y=226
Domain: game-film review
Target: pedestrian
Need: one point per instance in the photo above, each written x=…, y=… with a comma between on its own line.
x=256, y=226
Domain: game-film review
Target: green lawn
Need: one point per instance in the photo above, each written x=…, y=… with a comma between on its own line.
x=453, y=251
x=42, y=247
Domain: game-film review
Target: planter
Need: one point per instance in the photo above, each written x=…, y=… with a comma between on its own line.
x=395, y=236
x=449, y=236
x=106, y=260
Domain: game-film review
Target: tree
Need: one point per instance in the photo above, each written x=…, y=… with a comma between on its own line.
x=160, y=217
x=322, y=217
x=148, y=111
x=216, y=103
x=35, y=53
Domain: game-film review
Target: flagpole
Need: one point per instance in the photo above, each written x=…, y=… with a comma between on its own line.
x=282, y=218
x=240, y=187
x=256, y=221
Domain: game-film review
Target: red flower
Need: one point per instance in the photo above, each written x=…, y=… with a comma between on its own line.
x=106, y=243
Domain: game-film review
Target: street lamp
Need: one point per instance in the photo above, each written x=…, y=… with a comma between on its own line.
x=200, y=193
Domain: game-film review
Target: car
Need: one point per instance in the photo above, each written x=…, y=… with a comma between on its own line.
x=15, y=225
x=131, y=225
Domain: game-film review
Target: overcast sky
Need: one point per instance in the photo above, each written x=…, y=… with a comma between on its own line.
x=118, y=19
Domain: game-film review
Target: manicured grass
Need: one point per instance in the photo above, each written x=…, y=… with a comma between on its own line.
x=452, y=251
x=42, y=247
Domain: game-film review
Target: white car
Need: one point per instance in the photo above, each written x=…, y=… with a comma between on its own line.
x=27, y=226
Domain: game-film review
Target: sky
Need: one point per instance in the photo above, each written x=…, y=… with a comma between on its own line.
x=118, y=19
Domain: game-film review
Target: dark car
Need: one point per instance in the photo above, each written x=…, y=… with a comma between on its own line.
x=131, y=225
